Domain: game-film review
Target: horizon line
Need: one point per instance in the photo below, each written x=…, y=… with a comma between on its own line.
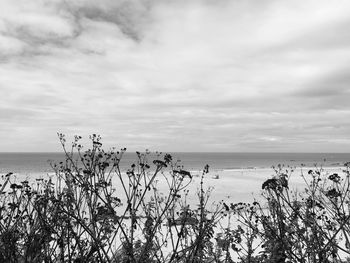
x=262, y=152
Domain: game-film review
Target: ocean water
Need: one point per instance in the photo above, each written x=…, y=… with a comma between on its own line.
x=39, y=163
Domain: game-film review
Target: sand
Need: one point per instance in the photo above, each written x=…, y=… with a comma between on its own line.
x=230, y=186
x=243, y=185
x=236, y=185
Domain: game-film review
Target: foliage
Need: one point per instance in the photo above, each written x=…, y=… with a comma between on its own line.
x=94, y=211
x=311, y=225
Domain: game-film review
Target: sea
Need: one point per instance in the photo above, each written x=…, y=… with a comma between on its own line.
x=34, y=164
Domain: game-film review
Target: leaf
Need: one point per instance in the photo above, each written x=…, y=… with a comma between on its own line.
x=334, y=177
x=206, y=169
x=97, y=143
x=227, y=208
x=270, y=184
x=183, y=172
x=160, y=163
x=284, y=182
x=168, y=158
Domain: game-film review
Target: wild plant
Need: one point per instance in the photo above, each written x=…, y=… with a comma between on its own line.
x=303, y=225
x=93, y=210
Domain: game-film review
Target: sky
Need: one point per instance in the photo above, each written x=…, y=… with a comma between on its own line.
x=176, y=75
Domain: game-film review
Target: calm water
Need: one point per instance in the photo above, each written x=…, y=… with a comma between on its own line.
x=38, y=163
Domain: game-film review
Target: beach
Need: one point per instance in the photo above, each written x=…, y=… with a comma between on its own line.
x=225, y=186
x=239, y=175
x=243, y=185
x=229, y=185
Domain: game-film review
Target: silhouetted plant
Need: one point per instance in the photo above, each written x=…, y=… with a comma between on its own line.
x=311, y=225
x=91, y=210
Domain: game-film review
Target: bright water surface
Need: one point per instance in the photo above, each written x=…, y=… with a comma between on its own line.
x=38, y=163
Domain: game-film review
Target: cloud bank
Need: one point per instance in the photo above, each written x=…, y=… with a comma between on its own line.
x=197, y=75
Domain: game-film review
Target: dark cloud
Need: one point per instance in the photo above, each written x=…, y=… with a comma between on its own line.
x=129, y=16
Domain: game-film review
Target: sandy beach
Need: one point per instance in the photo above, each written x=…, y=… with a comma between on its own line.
x=227, y=185
x=231, y=185
x=242, y=185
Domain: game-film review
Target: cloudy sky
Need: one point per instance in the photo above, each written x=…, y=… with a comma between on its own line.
x=176, y=75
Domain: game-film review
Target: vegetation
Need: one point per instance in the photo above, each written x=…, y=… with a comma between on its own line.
x=92, y=211
x=311, y=225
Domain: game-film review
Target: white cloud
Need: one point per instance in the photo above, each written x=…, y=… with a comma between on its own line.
x=10, y=46
x=184, y=76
